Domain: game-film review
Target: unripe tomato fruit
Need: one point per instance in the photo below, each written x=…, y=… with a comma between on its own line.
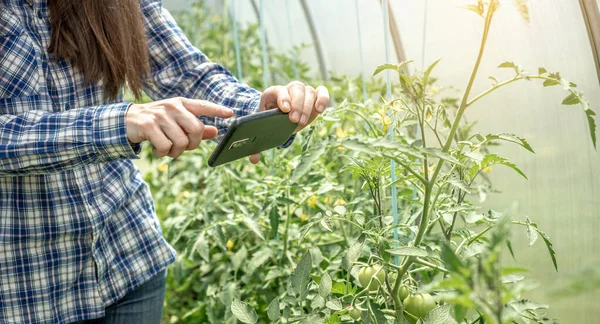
x=354, y=313
x=418, y=305
x=366, y=273
x=404, y=292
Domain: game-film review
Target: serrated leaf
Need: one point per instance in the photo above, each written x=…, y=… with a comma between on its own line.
x=551, y=82
x=542, y=70
x=571, y=99
x=273, y=310
x=334, y=305
x=408, y=251
x=491, y=159
x=509, y=65
x=244, y=312
x=254, y=227
x=306, y=162
x=325, y=285
x=546, y=239
x=440, y=315
x=511, y=138
x=353, y=253
x=526, y=305
x=532, y=234
x=301, y=275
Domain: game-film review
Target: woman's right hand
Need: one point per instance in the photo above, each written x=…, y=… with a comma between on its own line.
x=171, y=125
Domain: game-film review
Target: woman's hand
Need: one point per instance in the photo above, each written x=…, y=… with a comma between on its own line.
x=303, y=103
x=171, y=125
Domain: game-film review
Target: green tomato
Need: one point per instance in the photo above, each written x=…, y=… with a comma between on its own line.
x=354, y=313
x=419, y=305
x=366, y=273
x=404, y=292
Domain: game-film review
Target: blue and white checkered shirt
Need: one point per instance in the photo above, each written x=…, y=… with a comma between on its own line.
x=78, y=228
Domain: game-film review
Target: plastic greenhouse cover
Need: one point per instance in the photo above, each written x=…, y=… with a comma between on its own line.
x=563, y=191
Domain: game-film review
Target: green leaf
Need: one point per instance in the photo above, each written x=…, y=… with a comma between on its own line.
x=491, y=159
x=494, y=80
x=334, y=305
x=259, y=258
x=532, y=234
x=325, y=285
x=571, y=99
x=395, y=67
x=592, y=124
x=436, y=152
x=239, y=257
x=408, y=251
x=546, y=239
x=306, y=162
x=244, y=312
x=354, y=252
x=460, y=185
x=542, y=70
x=509, y=65
x=254, y=227
x=273, y=310
x=510, y=248
x=440, y=315
x=361, y=147
x=510, y=138
x=313, y=319
x=301, y=276
x=428, y=72
x=554, y=79
x=384, y=67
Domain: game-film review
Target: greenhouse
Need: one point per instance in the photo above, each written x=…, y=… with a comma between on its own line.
x=299, y=161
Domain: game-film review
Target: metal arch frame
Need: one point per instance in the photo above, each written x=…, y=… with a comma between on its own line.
x=313, y=32
x=395, y=32
x=591, y=17
x=317, y=41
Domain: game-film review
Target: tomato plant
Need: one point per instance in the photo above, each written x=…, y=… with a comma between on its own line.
x=309, y=237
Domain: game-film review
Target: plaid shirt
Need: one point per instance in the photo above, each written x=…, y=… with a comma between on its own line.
x=78, y=228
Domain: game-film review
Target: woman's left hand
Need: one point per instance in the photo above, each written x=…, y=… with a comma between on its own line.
x=303, y=103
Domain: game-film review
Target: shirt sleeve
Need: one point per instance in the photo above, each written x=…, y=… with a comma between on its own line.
x=39, y=142
x=178, y=69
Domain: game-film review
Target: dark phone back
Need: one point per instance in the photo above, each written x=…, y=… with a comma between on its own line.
x=253, y=134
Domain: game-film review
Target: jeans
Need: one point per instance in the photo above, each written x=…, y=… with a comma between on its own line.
x=143, y=305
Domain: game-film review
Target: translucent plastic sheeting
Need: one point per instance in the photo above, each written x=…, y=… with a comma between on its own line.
x=563, y=191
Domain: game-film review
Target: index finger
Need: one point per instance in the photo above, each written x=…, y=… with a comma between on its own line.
x=206, y=108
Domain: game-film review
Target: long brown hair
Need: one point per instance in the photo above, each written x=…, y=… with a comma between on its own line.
x=104, y=39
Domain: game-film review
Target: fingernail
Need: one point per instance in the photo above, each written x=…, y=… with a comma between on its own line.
x=286, y=107
x=303, y=120
x=227, y=111
x=295, y=116
x=321, y=108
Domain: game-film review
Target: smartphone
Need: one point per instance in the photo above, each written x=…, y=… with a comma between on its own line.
x=253, y=134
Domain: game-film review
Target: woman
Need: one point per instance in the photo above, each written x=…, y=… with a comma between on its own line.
x=79, y=238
